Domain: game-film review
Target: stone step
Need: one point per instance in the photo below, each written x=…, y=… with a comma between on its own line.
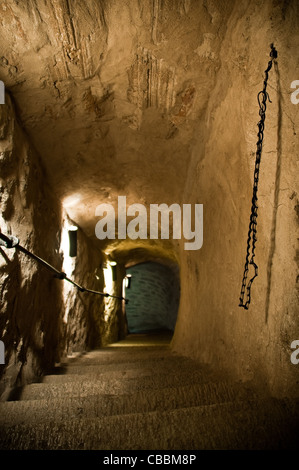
x=66, y=407
x=117, y=363
x=106, y=356
x=258, y=424
x=81, y=385
x=138, y=369
x=96, y=374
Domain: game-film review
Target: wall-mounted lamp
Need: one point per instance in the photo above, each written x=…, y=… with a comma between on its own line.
x=128, y=281
x=73, y=230
x=114, y=272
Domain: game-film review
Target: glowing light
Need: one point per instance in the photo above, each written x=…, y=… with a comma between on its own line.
x=128, y=280
x=68, y=266
x=108, y=279
x=71, y=200
x=65, y=247
x=108, y=289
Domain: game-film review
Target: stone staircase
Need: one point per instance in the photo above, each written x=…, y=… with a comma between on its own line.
x=139, y=395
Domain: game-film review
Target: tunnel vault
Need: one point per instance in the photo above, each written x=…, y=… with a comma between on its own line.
x=155, y=101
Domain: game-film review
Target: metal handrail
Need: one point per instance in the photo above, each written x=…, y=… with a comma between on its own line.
x=9, y=241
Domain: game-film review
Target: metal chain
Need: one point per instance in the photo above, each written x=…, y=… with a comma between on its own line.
x=251, y=241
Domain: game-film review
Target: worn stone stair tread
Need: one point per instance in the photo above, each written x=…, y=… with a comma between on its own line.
x=232, y=425
x=143, y=398
x=121, y=385
x=170, y=361
x=115, y=357
x=108, y=405
x=96, y=373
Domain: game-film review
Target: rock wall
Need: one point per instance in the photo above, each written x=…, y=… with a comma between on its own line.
x=83, y=311
x=42, y=318
x=253, y=344
x=90, y=320
x=145, y=100
x=114, y=327
x=31, y=301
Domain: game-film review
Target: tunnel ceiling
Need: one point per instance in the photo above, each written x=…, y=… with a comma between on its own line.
x=111, y=93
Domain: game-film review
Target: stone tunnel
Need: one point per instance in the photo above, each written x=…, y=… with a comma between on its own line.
x=128, y=161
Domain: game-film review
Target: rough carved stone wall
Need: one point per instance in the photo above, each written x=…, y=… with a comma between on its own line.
x=157, y=101
x=83, y=312
x=31, y=302
x=114, y=327
x=42, y=318
x=253, y=344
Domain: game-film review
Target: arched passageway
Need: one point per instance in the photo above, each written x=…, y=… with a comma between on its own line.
x=112, y=110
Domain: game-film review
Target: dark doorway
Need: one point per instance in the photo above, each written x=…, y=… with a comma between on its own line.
x=153, y=291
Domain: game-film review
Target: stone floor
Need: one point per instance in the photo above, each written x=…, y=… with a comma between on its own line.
x=138, y=394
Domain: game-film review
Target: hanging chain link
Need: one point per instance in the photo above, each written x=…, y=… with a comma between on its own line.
x=252, y=238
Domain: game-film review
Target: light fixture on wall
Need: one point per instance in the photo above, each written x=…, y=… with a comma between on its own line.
x=128, y=281
x=73, y=230
x=108, y=279
x=69, y=250
x=114, y=271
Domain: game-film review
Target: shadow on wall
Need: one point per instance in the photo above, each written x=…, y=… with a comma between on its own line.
x=153, y=291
